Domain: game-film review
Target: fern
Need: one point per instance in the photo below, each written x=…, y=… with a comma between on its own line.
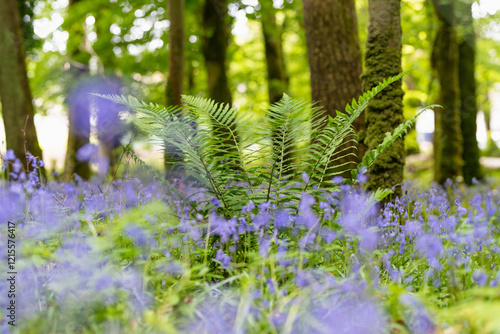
x=242, y=157
x=389, y=139
x=326, y=146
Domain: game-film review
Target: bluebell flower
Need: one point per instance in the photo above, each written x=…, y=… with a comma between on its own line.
x=9, y=155
x=480, y=277
x=223, y=258
x=16, y=167
x=419, y=319
x=338, y=180
x=215, y=201
x=282, y=220
x=87, y=152
x=138, y=235
x=264, y=245
x=305, y=177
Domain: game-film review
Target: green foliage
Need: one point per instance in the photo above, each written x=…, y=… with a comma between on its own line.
x=491, y=149
x=232, y=157
x=390, y=138
x=31, y=42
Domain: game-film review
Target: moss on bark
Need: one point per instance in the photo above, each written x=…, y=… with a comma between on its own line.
x=385, y=111
x=468, y=96
x=445, y=61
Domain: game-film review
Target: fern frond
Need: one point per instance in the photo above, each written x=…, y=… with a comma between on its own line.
x=389, y=138
x=330, y=138
x=288, y=128
x=153, y=173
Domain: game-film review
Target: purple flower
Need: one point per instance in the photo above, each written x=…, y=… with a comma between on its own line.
x=264, y=245
x=16, y=167
x=9, y=155
x=362, y=177
x=419, y=319
x=430, y=246
x=215, y=201
x=86, y=152
x=214, y=317
x=369, y=239
x=282, y=220
x=138, y=235
x=480, y=277
x=338, y=180
x=306, y=202
x=248, y=208
x=305, y=177
x=223, y=258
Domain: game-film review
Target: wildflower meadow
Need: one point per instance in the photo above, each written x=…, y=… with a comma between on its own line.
x=128, y=256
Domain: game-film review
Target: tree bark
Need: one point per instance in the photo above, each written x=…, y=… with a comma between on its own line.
x=277, y=78
x=214, y=44
x=15, y=92
x=215, y=40
x=385, y=111
x=445, y=61
x=175, y=79
x=468, y=95
x=334, y=57
x=78, y=128
x=78, y=106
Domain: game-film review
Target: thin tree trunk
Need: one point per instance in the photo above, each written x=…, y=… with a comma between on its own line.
x=175, y=79
x=215, y=40
x=385, y=111
x=468, y=95
x=214, y=44
x=15, y=92
x=334, y=57
x=448, y=137
x=78, y=106
x=78, y=128
x=277, y=78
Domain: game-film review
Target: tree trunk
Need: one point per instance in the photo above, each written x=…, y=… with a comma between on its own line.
x=468, y=96
x=277, y=78
x=214, y=44
x=385, y=111
x=15, y=92
x=215, y=41
x=175, y=79
x=448, y=138
x=78, y=105
x=334, y=56
x=78, y=128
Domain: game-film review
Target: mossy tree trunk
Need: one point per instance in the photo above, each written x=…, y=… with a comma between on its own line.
x=15, y=92
x=78, y=103
x=385, y=111
x=468, y=96
x=445, y=61
x=334, y=58
x=175, y=79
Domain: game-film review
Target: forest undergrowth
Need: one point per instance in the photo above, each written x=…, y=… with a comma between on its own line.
x=127, y=256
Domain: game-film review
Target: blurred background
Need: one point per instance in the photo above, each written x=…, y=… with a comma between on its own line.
x=77, y=47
